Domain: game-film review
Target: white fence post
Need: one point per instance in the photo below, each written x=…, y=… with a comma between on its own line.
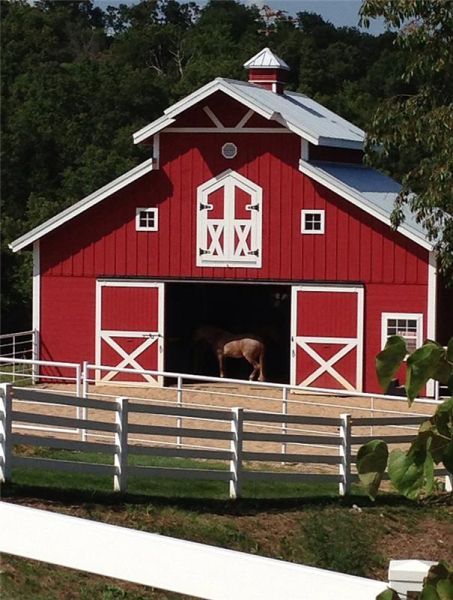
x=6, y=407
x=345, y=454
x=448, y=483
x=179, y=403
x=285, y=412
x=237, y=420
x=120, y=460
x=84, y=412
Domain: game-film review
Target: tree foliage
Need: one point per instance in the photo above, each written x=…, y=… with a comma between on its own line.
x=77, y=80
x=411, y=135
x=412, y=472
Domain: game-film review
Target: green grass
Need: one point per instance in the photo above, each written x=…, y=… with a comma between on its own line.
x=156, y=486
x=302, y=523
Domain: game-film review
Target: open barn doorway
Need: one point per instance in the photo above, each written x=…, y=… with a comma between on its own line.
x=259, y=309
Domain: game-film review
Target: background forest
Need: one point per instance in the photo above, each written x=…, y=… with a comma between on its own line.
x=78, y=80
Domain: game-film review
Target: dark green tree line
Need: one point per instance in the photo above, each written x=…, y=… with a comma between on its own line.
x=78, y=80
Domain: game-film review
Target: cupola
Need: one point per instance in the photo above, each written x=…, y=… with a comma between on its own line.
x=267, y=70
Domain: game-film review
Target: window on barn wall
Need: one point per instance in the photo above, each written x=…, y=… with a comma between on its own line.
x=409, y=326
x=147, y=219
x=229, y=222
x=312, y=221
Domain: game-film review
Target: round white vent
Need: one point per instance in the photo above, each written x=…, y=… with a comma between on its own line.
x=229, y=150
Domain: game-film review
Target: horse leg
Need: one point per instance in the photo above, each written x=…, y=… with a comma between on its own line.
x=221, y=359
x=261, y=366
x=255, y=366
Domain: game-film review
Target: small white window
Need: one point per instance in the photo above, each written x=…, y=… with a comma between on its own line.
x=312, y=221
x=407, y=325
x=147, y=219
x=229, y=150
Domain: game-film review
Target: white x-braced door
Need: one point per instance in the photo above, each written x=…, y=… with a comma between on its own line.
x=229, y=221
x=326, y=337
x=129, y=330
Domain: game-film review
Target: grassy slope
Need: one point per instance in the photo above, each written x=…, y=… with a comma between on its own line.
x=299, y=523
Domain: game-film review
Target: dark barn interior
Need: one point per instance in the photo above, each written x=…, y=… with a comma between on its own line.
x=262, y=310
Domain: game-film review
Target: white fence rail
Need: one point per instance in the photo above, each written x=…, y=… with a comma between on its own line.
x=247, y=440
x=167, y=563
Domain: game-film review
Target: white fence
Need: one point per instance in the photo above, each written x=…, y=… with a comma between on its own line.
x=16, y=347
x=167, y=563
x=244, y=442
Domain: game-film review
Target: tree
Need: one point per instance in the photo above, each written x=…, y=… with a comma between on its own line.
x=412, y=472
x=411, y=135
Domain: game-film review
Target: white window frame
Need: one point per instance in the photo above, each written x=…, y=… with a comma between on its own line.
x=153, y=211
x=385, y=317
x=311, y=211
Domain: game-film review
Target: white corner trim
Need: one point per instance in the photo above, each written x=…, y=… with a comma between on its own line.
x=431, y=311
x=356, y=198
x=217, y=122
x=83, y=205
x=156, y=151
x=304, y=149
x=36, y=314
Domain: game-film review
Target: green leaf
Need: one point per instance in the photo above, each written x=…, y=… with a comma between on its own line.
x=429, y=593
x=450, y=350
x=412, y=473
x=388, y=361
x=445, y=588
x=388, y=594
x=421, y=366
x=371, y=464
x=447, y=458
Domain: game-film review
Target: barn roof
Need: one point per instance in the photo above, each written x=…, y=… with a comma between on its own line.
x=367, y=188
x=266, y=59
x=296, y=112
x=79, y=207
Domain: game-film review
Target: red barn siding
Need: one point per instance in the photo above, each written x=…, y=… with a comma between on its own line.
x=355, y=247
x=381, y=298
x=103, y=242
x=68, y=306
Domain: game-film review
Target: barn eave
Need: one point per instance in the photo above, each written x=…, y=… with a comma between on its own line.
x=79, y=207
x=367, y=189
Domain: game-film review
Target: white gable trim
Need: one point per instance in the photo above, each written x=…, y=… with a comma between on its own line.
x=83, y=205
x=353, y=196
x=204, y=92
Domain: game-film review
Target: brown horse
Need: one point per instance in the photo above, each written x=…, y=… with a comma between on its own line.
x=232, y=345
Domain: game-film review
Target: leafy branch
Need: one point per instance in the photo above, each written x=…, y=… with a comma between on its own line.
x=412, y=472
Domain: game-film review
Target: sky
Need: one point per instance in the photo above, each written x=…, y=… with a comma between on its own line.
x=342, y=13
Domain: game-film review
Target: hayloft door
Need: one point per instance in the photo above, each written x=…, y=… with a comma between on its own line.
x=229, y=222
x=326, y=337
x=129, y=330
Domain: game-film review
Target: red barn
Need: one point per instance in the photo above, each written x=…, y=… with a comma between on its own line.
x=254, y=212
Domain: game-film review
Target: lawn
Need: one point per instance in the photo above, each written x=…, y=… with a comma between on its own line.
x=305, y=524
